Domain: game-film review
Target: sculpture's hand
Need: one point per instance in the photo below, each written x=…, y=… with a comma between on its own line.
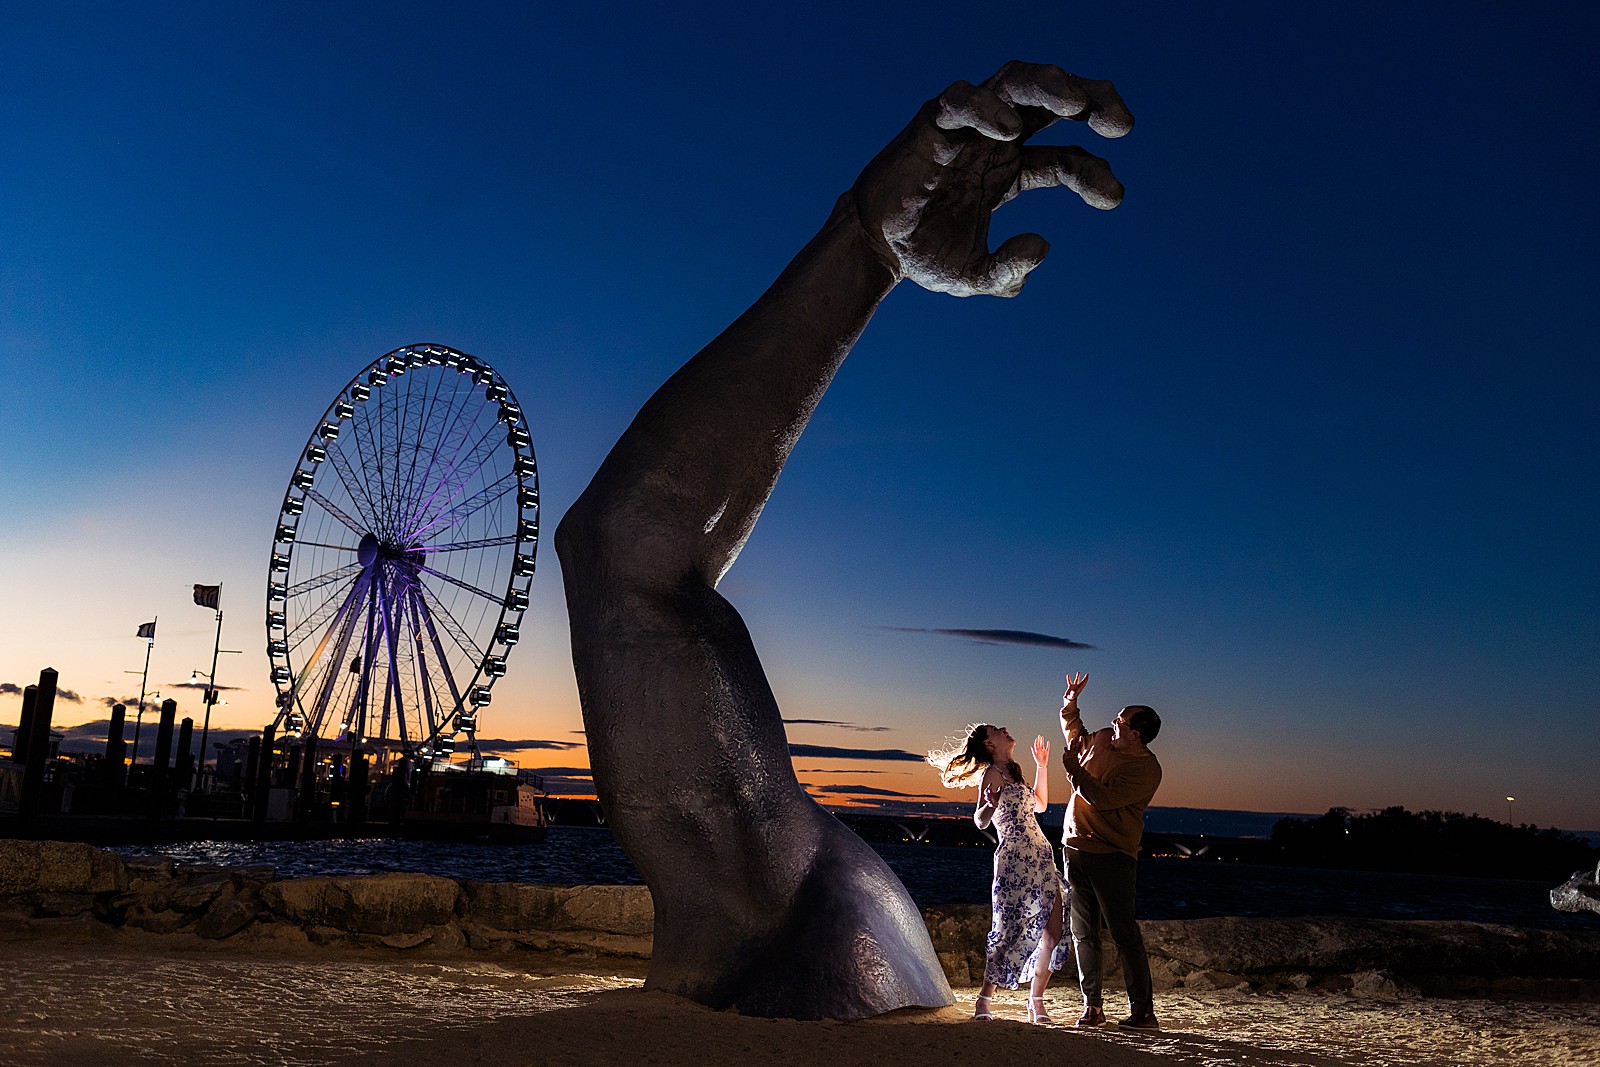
x=926, y=199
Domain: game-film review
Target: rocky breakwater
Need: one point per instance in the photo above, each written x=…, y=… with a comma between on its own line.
x=1579, y=893
x=53, y=889
x=1362, y=957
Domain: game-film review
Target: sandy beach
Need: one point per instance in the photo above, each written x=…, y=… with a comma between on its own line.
x=63, y=1002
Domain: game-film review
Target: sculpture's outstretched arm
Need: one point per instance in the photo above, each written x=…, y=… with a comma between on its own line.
x=763, y=900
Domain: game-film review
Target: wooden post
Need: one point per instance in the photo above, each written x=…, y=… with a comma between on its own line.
x=360, y=771
x=19, y=740
x=116, y=753
x=44, y=702
x=159, y=776
x=263, y=782
x=308, y=779
x=185, y=757
x=247, y=780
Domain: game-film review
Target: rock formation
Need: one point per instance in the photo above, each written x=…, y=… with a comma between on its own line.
x=1579, y=893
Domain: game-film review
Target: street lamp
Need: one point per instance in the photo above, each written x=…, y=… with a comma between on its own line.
x=1509, y=802
x=210, y=700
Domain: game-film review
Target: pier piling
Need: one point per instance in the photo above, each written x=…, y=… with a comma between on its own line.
x=308, y=780
x=247, y=783
x=38, y=741
x=116, y=754
x=24, y=731
x=185, y=760
x=263, y=778
x=160, y=776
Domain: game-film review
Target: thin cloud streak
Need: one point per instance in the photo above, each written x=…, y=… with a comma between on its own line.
x=834, y=770
x=12, y=689
x=198, y=685
x=91, y=736
x=520, y=745
x=998, y=637
x=866, y=790
x=898, y=755
x=836, y=722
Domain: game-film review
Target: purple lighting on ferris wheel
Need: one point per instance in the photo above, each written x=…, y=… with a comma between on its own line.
x=403, y=553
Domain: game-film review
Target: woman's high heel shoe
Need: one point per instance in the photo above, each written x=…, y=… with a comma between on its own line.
x=980, y=1010
x=1037, y=1014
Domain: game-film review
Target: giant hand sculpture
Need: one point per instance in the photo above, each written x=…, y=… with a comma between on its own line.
x=765, y=902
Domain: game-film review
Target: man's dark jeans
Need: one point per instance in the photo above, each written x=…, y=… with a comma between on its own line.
x=1101, y=885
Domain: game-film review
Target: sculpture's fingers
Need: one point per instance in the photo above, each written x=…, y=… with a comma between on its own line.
x=1108, y=115
x=976, y=107
x=1042, y=85
x=1046, y=166
x=1005, y=272
x=1062, y=95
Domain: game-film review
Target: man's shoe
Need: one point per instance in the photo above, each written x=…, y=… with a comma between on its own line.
x=1146, y=1021
x=1093, y=1015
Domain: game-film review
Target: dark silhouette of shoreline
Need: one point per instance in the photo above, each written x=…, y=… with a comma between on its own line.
x=1430, y=842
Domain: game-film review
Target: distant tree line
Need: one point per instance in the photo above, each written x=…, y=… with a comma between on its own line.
x=1433, y=842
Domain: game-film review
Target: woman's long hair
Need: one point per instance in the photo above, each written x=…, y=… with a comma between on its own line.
x=961, y=762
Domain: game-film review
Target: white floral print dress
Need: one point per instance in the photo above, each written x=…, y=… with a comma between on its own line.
x=1026, y=886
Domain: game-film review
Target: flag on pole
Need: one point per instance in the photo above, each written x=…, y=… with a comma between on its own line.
x=147, y=629
x=208, y=596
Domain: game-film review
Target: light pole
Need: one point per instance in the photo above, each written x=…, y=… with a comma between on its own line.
x=210, y=700
x=1509, y=802
x=148, y=632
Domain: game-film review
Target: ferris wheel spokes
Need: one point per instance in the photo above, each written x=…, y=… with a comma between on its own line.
x=426, y=621
x=458, y=476
x=421, y=427
x=333, y=509
x=362, y=501
x=459, y=513
x=323, y=671
x=435, y=611
x=423, y=672
x=463, y=546
x=459, y=584
x=454, y=432
x=394, y=695
x=308, y=619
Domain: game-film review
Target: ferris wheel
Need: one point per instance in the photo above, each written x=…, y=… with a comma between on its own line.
x=403, y=555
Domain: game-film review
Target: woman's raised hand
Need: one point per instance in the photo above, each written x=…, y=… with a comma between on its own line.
x=1041, y=751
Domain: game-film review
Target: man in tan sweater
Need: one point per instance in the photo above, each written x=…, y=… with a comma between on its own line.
x=1114, y=775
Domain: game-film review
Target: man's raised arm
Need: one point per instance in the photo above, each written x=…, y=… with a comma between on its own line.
x=1071, y=720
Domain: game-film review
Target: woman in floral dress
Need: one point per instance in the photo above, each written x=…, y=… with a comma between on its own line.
x=1025, y=937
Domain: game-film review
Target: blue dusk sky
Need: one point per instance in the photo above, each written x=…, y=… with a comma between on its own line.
x=1302, y=438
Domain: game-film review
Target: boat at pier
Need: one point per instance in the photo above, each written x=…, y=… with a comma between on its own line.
x=481, y=799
